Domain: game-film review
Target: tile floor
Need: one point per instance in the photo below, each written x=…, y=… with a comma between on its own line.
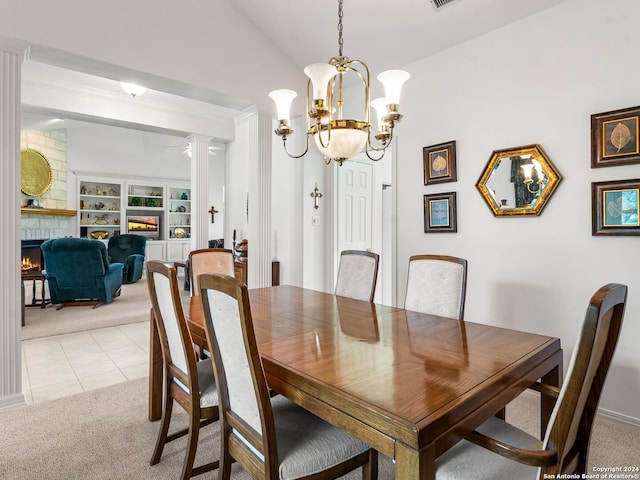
x=62, y=365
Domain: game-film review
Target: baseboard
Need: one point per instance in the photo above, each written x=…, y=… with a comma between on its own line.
x=602, y=412
x=619, y=417
x=12, y=401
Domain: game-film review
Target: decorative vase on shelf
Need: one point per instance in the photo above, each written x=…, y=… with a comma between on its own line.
x=184, y=196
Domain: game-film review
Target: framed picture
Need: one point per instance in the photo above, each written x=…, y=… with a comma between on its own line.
x=440, y=213
x=614, y=138
x=614, y=207
x=439, y=163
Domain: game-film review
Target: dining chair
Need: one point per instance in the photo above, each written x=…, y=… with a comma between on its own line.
x=357, y=274
x=437, y=285
x=206, y=260
x=188, y=382
x=270, y=437
x=498, y=450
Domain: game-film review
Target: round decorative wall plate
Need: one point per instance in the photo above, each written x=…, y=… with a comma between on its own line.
x=36, y=173
x=180, y=232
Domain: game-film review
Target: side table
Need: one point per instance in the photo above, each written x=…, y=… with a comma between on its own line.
x=36, y=276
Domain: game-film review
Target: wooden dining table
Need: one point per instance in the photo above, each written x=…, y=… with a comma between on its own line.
x=411, y=385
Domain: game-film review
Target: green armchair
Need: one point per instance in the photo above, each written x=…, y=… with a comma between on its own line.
x=129, y=250
x=79, y=273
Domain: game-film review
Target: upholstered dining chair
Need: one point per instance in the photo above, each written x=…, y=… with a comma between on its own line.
x=437, y=285
x=190, y=383
x=269, y=437
x=498, y=450
x=206, y=260
x=357, y=274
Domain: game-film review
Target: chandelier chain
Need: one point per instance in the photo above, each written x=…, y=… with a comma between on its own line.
x=340, y=41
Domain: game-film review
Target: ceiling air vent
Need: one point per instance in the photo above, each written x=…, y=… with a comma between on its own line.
x=442, y=3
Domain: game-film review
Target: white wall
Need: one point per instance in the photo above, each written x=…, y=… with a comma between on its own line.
x=183, y=42
x=535, y=81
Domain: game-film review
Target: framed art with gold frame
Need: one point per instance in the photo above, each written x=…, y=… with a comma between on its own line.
x=614, y=207
x=439, y=163
x=614, y=138
x=440, y=213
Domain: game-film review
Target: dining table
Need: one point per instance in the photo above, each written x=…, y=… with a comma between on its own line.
x=410, y=385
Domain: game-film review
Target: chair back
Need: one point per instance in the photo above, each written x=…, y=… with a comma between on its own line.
x=209, y=260
x=437, y=285
x=569, y=430
x=177, y=349
x=121, y=246
x=73, y=260
x=357, y=274
x=247, y=418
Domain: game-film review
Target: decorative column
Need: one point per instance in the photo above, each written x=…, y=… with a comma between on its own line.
x=199, y=191
x=260, y=134
x=10, y=282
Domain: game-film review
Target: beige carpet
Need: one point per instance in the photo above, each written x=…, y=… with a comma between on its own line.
x=130, y=307
x=105, y=435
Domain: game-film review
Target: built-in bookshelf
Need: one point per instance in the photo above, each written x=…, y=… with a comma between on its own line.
x=160, y=211
x=100, y=209
x=179, y=224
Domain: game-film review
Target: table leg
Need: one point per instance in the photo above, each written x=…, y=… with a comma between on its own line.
x=33, y=293
x=155, y=371
x=42, y=296
x=413, y=464
x=547, y=402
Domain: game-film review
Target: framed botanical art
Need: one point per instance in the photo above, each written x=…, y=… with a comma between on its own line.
x=439, y=163
x=614, y=138
x=614, y=207
x=440, y=213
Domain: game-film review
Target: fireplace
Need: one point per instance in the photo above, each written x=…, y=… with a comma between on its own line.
x=32, y=260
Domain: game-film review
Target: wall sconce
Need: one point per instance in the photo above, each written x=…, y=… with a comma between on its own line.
x=531, y=169
x=316, y=197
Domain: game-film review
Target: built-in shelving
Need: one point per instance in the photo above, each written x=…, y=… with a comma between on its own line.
x=109, y=207
x=100, y=209
x=179, y=215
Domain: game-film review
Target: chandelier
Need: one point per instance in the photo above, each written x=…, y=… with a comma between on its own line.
x=336, y=137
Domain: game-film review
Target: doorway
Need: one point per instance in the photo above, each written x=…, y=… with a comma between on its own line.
x=364, y=215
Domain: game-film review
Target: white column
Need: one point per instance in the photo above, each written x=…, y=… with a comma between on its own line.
x=199, y=191
x=10, y=298
x=259, y=274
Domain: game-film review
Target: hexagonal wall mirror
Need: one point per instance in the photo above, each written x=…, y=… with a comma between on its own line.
x=518, y=181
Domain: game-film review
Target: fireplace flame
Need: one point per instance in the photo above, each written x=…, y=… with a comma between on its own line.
x=27, y=266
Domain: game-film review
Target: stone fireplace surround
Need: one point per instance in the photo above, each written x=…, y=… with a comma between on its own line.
x=53, y=145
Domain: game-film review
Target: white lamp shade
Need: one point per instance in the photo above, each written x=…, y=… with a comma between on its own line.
x=320, y=75
x=393, y=81
x=380, y=106
x=345, y=142
x=526, y=168
x=283, y=99
x=132, y=89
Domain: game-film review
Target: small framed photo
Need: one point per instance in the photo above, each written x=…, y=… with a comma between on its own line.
x=614, y=138
x=440, y=163
x=440, y=213
x=614, y=207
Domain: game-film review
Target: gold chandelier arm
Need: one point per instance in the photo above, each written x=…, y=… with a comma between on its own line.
x=367, y=150
x=284, y=144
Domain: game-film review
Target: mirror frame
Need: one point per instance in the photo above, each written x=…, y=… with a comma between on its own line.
x=550, y=171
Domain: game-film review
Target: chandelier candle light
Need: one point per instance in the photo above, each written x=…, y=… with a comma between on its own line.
x=338, y=138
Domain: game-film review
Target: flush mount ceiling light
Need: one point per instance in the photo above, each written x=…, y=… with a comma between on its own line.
x=336, y=137
x=133, y=89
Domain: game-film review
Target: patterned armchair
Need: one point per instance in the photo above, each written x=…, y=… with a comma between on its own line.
x=79, y=272
x=129, y=250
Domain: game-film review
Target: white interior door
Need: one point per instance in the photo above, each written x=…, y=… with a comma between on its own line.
x=355, y=197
